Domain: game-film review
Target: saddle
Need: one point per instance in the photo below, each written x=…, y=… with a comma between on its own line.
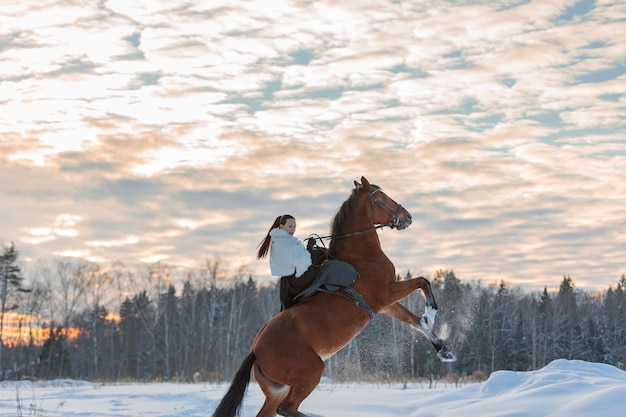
x=332, y=276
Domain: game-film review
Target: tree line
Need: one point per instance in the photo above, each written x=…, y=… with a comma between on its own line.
x=115, y=324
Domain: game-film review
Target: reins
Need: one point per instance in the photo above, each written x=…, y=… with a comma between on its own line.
x=360, y=232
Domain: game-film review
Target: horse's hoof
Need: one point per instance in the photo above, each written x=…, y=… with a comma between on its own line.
x=445, y=355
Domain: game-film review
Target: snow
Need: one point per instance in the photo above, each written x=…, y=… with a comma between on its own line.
x=563, y=388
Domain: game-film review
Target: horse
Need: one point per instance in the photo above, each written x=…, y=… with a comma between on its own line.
x=287, y=356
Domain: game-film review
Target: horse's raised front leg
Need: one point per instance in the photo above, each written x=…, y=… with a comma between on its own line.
x=400, y=312
x=398, y=290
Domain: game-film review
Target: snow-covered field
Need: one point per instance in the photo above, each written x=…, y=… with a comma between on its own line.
x=561, y=389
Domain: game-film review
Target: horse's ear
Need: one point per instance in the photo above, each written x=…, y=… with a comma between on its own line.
x=366, y=183
x=356, y=184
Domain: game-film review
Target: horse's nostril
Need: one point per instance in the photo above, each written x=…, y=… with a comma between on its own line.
x=409, y=216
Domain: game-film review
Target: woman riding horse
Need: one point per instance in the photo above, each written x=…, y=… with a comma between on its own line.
x=287, y=355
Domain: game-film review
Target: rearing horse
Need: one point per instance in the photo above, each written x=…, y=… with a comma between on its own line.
x=287, y=355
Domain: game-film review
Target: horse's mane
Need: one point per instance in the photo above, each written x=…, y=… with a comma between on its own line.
x=344, y=213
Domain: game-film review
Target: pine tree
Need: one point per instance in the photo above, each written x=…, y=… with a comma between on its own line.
x=614, y=325
x=11, y=284
x=546, y=329
x=567, y=319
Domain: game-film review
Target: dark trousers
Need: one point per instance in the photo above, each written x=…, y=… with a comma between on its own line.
x=290, y=286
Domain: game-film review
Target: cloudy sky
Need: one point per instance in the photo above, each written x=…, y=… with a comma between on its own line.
x=144, y=131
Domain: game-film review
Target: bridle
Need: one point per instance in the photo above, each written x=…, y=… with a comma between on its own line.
x=394, y=215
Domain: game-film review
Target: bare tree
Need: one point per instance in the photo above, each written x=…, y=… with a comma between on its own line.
x=100, y=293
x=70, y=287
x=212, y=268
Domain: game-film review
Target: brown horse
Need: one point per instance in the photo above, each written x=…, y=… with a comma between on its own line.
x=288, y=353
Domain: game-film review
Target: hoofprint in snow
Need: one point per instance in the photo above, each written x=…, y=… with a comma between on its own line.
x=561, y=389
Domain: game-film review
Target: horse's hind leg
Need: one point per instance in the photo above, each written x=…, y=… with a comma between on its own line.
x=274, y=393
x=308, y=377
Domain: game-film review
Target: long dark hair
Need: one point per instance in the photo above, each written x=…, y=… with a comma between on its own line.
x=264, y=246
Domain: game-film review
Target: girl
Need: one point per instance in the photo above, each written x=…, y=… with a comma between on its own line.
x=289, y=259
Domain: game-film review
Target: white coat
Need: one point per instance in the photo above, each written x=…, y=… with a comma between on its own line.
x=287, y=254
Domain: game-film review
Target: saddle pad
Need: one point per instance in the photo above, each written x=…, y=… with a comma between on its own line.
x=332, y=276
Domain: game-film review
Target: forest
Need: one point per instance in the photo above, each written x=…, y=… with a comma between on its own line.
x=70, y=318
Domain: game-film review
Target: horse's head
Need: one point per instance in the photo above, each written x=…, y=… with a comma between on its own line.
x=384, y=209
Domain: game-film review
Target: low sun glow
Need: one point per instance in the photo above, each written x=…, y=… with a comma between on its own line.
x=21, y=329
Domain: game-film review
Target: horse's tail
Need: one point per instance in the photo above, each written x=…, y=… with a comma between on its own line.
x=229, y=406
